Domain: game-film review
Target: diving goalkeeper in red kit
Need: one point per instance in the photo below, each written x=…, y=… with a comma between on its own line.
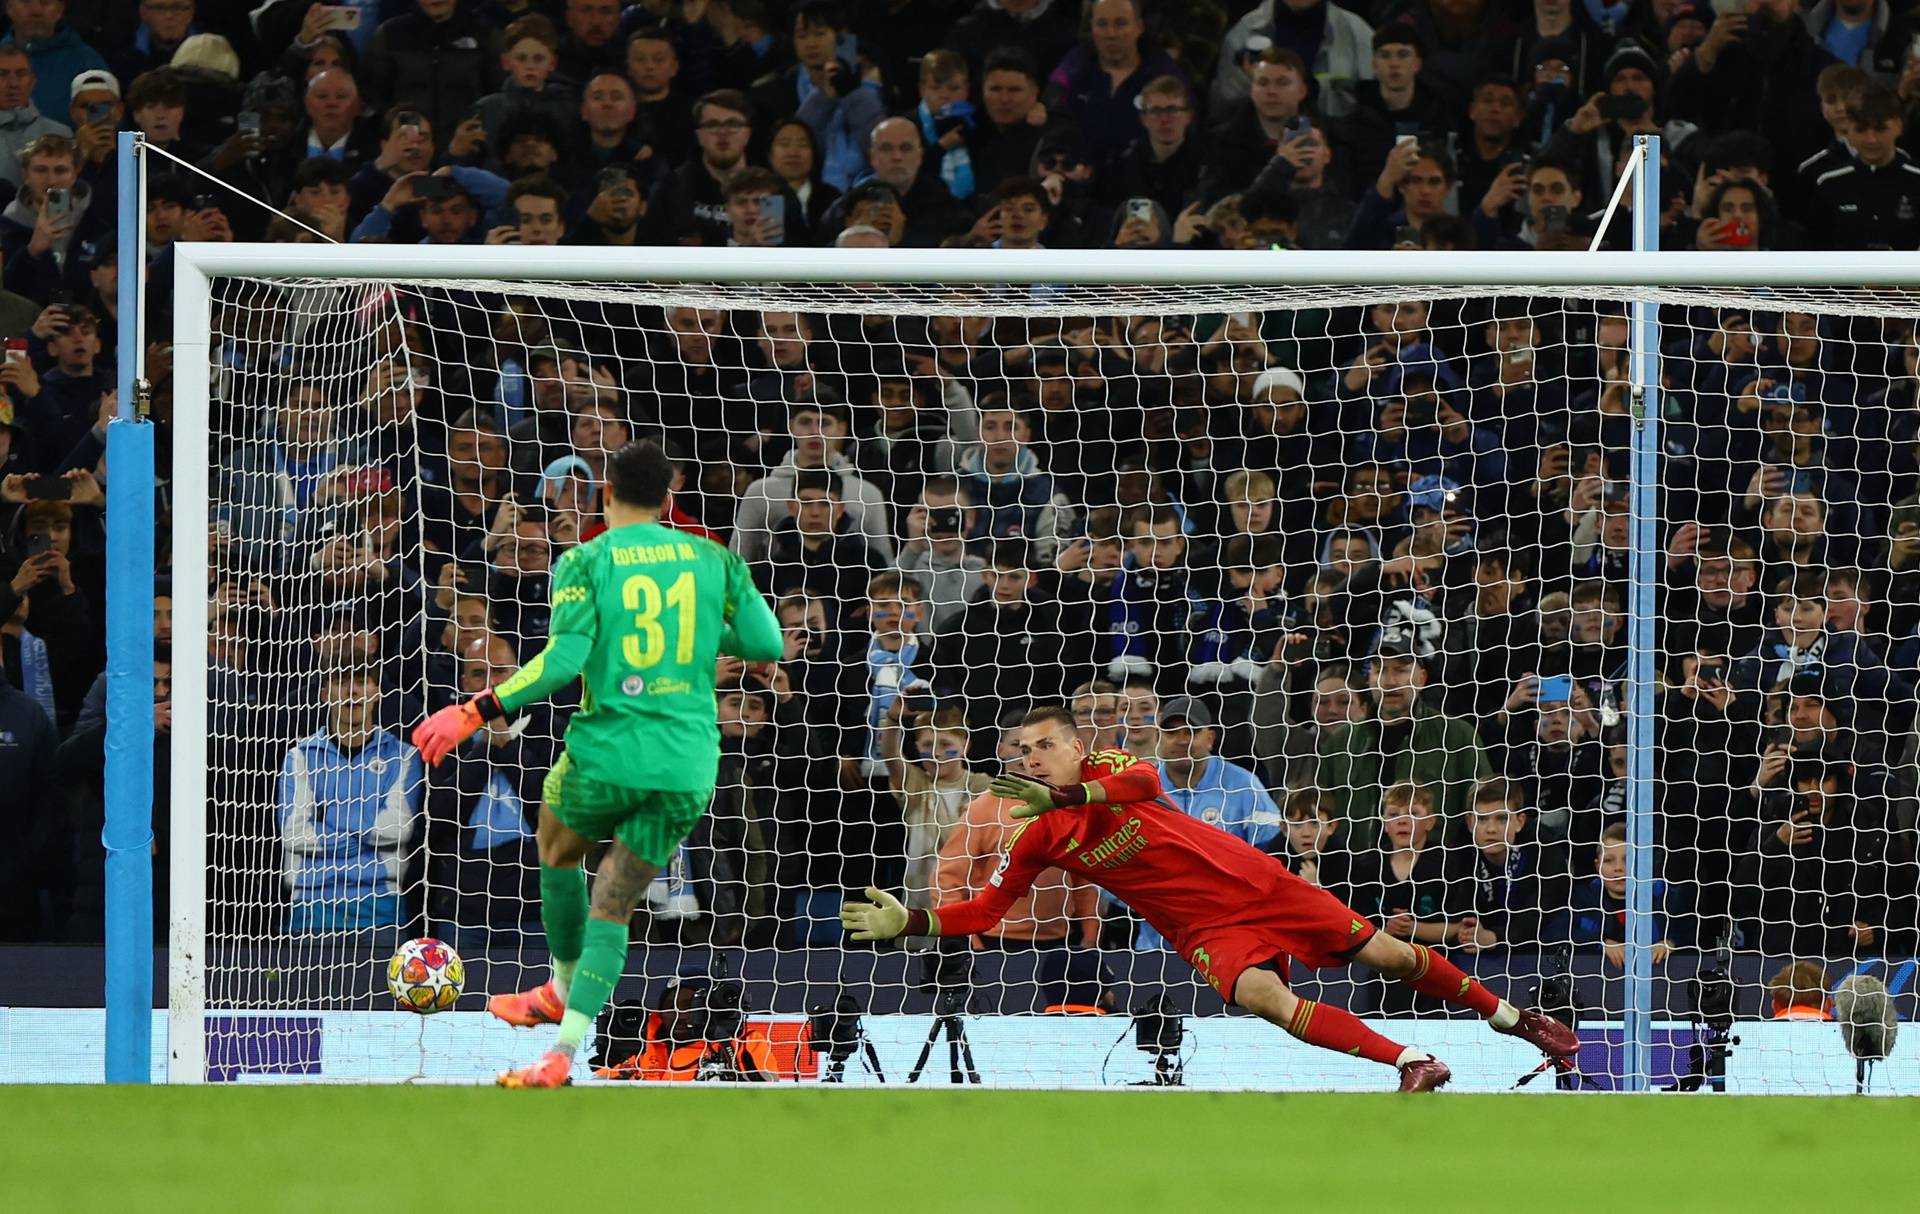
x=1236, y=914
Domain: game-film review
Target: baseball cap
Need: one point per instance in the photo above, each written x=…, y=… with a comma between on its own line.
x=95, y=79
x=1431, y=493
x=1188, y=709
x=1394, y=643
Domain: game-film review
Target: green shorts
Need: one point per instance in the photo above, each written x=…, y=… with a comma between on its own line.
x=651, y=823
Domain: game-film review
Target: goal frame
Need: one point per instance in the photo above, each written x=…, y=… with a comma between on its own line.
x=196, y=265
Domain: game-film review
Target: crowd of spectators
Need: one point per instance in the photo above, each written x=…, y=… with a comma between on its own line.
x=1355, y=578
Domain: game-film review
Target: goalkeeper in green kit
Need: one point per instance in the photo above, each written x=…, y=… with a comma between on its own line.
x=642, y=612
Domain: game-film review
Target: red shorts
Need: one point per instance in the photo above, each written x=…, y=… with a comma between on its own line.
x=1297, y=919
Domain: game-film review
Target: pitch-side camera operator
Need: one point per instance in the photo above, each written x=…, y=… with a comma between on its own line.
x=698, y=1034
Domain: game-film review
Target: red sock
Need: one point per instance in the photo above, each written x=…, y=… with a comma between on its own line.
x=1339, y=1030
x=1435, y=975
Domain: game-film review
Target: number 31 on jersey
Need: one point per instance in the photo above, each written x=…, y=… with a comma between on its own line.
x=640, y=594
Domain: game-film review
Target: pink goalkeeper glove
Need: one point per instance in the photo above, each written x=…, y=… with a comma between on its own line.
x=441, y=734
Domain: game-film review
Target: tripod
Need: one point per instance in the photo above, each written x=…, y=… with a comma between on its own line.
x=947, y=1010
x=1168, y=1071
x=837, y=1066
x=1707, y=1057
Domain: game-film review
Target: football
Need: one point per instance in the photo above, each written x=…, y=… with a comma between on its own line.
x=425, y=976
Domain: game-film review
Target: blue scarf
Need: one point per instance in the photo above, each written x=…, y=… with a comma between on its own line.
x=498, y=816
x=36, y=673
x=881, y=697
x=956, y=165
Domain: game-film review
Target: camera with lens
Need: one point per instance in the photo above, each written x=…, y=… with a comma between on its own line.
x=1713, y=994
x=619, y=1033
x=1554, y=993
x=1159, y=1032
x=946, y=972
x=833, y=1028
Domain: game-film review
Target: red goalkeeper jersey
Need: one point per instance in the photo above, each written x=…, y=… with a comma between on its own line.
x=1181, y=875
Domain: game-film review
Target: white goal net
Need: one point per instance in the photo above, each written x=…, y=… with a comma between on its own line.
x=1351, y=564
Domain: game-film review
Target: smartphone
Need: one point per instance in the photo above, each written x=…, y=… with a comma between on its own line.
x=48, y=489
x=919, y=700
x=248, y=122
x=39, y=543
x=99, y=113
x=205, y=202
x=1722, y=8
x=1556, y=689
x=1298, y=127
x=773, y=215
x=1735, y=235
x=1140, y=208
x=1553, y=219
x=612, y=179
x=16, y=350
x=59, y=201
x=1407, y=234
x=409, y=121
x=1710, y=672
x=1624, y=106
x=343, y=17
x=431, y=187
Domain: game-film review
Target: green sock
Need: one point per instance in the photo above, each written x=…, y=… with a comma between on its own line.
x=601, y=963
x=563, y=912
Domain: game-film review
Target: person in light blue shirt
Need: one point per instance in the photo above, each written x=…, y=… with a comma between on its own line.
x=349, y=800
x=1205, y=786
x=1849, y=29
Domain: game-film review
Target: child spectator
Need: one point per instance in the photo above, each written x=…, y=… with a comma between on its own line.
x=896, y=661
x=1514, y=881
x=529, y=52
x=1312, y=845
x=1597, y=911
x=946, y=119
x=932, y=785
x=349, y=796
x=1413, y=887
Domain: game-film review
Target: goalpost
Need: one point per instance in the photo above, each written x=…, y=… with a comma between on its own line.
x=1136, y=389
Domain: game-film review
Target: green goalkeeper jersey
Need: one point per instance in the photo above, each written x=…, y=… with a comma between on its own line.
x=641, y=613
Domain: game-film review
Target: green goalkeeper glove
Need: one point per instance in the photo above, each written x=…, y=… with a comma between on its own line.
x=882, y=919
x=1035, y=798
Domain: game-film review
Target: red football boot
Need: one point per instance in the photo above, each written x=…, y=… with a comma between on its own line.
x=1424, y=1075
x=1545, y=1034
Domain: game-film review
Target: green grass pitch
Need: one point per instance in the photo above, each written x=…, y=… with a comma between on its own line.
x=448, y=1149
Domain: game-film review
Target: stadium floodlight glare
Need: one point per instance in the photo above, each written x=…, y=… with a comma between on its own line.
x=370, y=325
